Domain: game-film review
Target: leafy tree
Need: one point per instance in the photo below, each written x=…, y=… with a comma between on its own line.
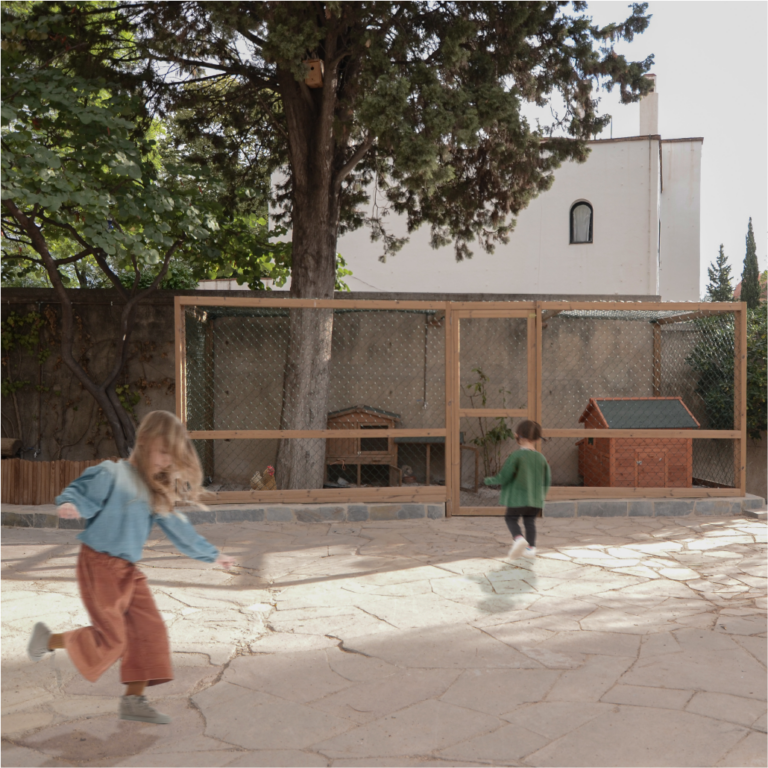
x=78, y=184
x=750, y=277
x=719, y=272
x=757, y=371
x=712, y=359
x=420, y=101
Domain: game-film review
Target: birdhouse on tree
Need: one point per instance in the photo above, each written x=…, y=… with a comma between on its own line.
x=314, y=78
x=637, y=462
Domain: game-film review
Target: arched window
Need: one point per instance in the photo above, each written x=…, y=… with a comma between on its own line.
x=582, y=218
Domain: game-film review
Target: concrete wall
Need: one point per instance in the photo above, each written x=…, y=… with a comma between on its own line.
x=59, y=419
x=680, y=220
x=620, y=179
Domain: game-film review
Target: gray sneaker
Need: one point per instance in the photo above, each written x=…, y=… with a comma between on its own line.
x=37, y=647
x=138, y=708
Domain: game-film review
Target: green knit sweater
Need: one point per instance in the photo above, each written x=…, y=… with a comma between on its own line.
x=524, y=479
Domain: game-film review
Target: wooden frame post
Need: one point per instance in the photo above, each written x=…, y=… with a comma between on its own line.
x=740, y=397
x=181, y=360
x=452, y=402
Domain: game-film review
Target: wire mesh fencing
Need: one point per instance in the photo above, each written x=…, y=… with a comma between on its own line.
x=266, y=389
x=385, y=369
x=639, y=370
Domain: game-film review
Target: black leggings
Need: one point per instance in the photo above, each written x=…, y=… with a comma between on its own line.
x=529, y=515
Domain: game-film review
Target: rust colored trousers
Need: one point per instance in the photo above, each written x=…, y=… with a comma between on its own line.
x=125, y=622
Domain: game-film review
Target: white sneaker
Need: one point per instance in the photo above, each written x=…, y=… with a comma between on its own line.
x=38, y=642
x=138, y=708
x=530, y=553
x=517, y=548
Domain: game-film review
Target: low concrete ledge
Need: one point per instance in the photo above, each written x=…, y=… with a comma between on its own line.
x=45, y=516
x=721, y=507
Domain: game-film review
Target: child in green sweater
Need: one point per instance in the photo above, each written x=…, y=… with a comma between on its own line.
x=524, y=479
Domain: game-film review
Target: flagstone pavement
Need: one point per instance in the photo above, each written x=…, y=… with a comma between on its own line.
x=627, y=642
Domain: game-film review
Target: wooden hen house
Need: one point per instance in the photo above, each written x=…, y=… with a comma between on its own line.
x=637, y=462
x=358, y=451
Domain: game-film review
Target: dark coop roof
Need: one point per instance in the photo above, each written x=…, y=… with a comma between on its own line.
x=646, y=413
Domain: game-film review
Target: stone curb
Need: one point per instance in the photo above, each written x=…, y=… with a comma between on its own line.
x=45, y=517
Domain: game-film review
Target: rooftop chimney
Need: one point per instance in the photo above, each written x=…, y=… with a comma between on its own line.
x=649, y=110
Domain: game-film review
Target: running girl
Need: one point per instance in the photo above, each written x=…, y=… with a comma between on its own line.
x=120, y=501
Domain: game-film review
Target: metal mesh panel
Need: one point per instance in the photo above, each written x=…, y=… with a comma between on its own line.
x=486, y=443
x=622, y=369
x=386, y=370
x=638, y=370
x=493, y=363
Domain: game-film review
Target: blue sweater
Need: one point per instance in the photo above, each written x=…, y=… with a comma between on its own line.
x=114, y=501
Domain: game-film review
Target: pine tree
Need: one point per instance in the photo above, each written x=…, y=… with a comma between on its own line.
x=750, y=277
x=719, y=272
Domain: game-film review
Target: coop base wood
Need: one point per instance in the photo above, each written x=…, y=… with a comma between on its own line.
x=423, y=495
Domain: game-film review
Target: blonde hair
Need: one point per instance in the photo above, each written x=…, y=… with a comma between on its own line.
x=182, y=482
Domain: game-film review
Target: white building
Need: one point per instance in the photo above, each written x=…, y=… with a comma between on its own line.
x=624, y=222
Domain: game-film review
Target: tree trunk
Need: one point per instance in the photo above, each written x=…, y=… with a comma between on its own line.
x=301, y=462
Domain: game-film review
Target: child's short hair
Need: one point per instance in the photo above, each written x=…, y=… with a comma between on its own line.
x=181, y=484
x=529, y=430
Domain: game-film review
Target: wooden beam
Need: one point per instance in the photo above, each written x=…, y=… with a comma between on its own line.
x=396, y=495
x=645, y=306
x=454, y=426
x=740, y=398
x=696, y=434
x=181, y=359
x=493, y=413
x=494, y=314
x=686, y=317
x=548, y=315
x=236, y=301
x=280, y=434
x=458, y=306
x=539, y=366
x=530, y=339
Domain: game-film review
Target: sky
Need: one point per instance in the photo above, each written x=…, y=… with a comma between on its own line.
x=711, y=67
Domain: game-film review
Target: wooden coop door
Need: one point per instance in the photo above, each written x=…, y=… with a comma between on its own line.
x=651, y=467
x=494, y=383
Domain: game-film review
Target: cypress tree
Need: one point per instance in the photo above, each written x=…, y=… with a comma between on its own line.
x=750, y=277
x=719, y=272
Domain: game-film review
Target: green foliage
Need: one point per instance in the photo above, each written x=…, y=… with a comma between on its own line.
x=719, y=272
x=491, y=439
x=81, y=183
x=423, y=100
x=757, y=371
x=712, y=359
x=20, y=332
x=128, y=399
x=750, y=277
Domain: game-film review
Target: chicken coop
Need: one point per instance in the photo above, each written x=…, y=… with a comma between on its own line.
x=637, y=462
x=430, y=393
x=358, y=452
